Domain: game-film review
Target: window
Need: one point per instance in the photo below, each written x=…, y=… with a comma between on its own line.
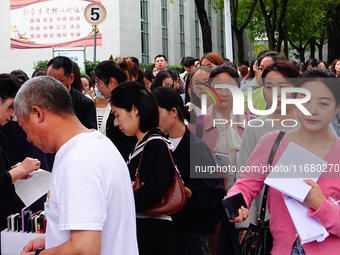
x=222, y=34
x=209, y=14
x=197, y=34
x=181, y=28
x=164, y=17
x=144, y=30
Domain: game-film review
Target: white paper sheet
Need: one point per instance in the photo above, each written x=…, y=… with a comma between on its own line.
x=295, y=165
x=308, y=228
x=31, y=189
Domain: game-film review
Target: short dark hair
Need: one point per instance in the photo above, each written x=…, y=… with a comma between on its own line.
x=160, y=56
x=61, y=62
x=168, y=98
x=324, y=76
x=109, y=69
x=130, y=93
x=226, y=69
x=312, y=61
x=271, y=54
x=188, y=61
x=39, y=72
x=284, y=67
x=9, y=86
x=20, y=74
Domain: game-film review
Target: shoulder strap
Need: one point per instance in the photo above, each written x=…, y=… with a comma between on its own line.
x=270, y=162
x=158, y=137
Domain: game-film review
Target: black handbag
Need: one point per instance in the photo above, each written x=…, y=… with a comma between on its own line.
x=258, y=239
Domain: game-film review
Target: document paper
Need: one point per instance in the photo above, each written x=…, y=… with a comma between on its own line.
x=308, y=228
x=33, y=188
x=292, y=168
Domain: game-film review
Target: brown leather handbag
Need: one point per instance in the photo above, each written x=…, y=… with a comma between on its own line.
x=174, y=197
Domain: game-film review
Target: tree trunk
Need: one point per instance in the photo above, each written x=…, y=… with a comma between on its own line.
x=281, y=29
x=206, y=31
x=240, y=49
x=270, y=23
x=312, y=48
x=285, y=49
x=301, y=51
x=333, y=31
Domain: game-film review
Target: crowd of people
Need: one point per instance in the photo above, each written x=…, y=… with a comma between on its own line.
x=95, y=133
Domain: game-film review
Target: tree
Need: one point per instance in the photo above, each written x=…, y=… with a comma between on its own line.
x=205, y=26
x=242, y=12
x=274, y=12
x=333, y=32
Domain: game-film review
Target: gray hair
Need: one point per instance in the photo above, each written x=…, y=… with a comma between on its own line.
x=45, y=92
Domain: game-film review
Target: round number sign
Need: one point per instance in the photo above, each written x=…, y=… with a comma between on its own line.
x=95, y=13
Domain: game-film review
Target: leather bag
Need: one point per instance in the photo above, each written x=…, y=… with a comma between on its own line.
x=258, y=239
x=174, y=197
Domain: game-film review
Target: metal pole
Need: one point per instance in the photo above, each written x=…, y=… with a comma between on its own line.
x=95, y=44
x=228, y=31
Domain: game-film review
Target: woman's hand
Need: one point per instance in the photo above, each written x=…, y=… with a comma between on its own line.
x=24, y=169
x=29, y=165
x=242, y=215
x=315, y=196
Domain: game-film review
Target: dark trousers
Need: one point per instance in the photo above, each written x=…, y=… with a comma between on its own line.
x=192, y=243
x=155, y=237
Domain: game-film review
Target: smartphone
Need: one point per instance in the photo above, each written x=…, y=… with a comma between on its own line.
x=13, y=218
x=25, y=214
x=32, y=223
x=36, y=224
x=221, y=159
x=44, y=225
x=18, y=225
x=9, y=223
x=232, y=204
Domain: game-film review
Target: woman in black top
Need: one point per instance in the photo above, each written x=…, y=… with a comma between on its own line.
x=203, y=210
x=9, y=201
x=136, y=114
x=108, y=74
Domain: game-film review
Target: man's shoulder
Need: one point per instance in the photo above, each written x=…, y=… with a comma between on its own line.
x=80, y=97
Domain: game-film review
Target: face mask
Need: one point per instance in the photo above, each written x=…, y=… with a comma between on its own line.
x=98, y=94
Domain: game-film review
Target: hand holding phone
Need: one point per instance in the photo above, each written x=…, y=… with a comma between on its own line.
x=232, y=204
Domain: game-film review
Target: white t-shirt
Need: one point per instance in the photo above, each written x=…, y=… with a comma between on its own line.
x=90, y=189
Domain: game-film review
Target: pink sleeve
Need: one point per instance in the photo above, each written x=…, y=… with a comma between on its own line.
x=254, y=172
x=328, y=215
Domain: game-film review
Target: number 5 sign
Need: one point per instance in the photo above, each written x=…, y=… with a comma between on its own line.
x=95, y=13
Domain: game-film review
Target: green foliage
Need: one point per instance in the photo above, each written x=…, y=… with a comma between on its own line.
x=304, y=20
x=40, y=64
x=90, y=66
x=216, y=4
x=146, y=65
x=178, y=68
x=259, y=46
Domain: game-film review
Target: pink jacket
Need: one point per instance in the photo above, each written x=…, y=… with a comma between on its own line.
x=281, y=225
x=210, y=133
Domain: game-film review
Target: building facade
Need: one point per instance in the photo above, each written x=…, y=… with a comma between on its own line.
x=141, y=28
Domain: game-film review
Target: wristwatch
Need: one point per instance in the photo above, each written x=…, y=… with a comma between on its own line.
x=37, y=251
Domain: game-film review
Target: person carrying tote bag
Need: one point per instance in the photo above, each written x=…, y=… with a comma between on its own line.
x=136, y=114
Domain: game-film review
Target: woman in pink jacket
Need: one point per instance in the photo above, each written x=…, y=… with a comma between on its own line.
x=313, y=135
